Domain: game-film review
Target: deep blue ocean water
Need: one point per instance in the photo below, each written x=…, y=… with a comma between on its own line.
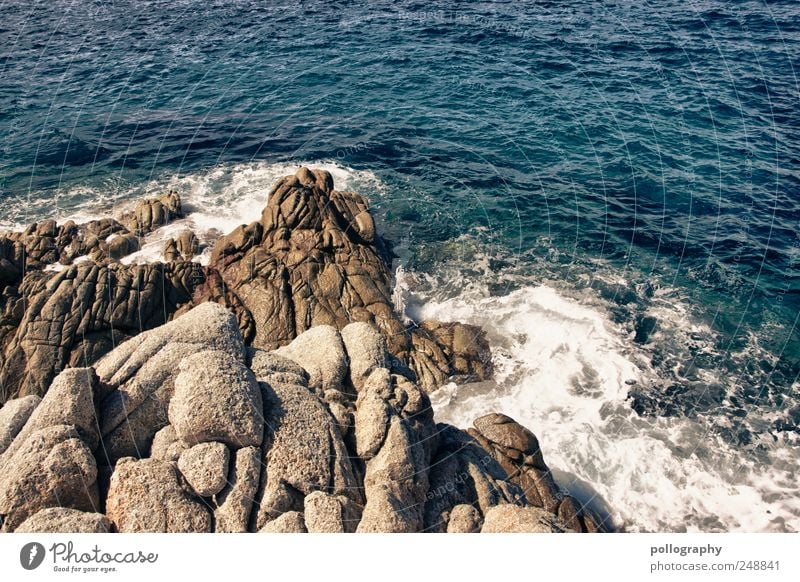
x=639, y=159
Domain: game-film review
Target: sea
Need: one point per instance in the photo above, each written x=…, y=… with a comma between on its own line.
x=610, y=188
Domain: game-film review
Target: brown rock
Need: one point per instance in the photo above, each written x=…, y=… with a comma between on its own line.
x=397, y=444
x=464, y=519
x=326, y=513
x=166, y=445
x=304, y=452
x=289, y=522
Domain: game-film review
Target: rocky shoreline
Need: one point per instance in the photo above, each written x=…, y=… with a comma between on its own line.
x=275, y=389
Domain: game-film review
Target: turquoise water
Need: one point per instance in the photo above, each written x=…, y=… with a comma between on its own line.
x=638, y=159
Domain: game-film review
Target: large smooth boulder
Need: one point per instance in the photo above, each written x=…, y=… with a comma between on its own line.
x=217, y=398
x=145, y=495
x=366, y=351
x=320, y=352
x=142, y=372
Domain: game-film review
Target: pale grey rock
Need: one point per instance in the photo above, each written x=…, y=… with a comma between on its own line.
x=237, y=500
x=216, y=398
x=145, y=495
x=321, y=353
x=304, y=452
x=52, y=467
x=13, y=416
x=270, y=366
x=397, y=452
x=366, y=351
x=142, y=372
x=166, y=445
x=516, y=519
x=289, y=522
x=205, y=467
x=464, y=519
x=70, y=401
x=326, y=513
x=65, y=520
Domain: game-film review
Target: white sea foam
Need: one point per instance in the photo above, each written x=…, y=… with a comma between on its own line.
x=215, y=201
x=564, y=370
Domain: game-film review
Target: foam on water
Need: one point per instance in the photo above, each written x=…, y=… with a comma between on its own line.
x=564, y=370
x=215, y=201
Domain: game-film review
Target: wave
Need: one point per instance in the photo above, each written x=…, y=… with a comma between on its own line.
x=565, y=370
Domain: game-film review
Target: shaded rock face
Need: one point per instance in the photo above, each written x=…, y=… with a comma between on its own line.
x=463, y=472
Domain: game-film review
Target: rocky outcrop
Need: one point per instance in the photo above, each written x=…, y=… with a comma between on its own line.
x=313, y=259
x=152, y=213
x=517, y=451
x=275, y=390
